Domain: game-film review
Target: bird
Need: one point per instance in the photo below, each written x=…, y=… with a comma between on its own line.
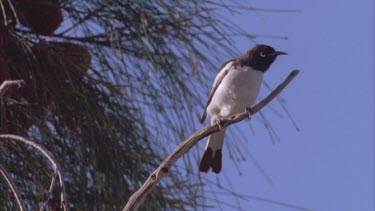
x=235, y=89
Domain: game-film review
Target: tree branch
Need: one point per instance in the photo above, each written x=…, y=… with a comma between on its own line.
x=139, y=196
x=56, y=166
x=7, y=84
x=13, y=187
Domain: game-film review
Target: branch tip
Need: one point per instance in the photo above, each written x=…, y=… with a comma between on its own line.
x=136, y=200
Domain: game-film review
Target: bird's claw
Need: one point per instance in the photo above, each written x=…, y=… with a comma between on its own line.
x=220, y=123
x=249, y=110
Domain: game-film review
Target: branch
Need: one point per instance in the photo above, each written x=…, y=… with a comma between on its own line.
x=56, y=166
x=139, y=196
x=13, y=187
x=8, y=83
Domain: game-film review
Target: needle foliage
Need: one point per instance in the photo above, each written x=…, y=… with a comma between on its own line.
x=110, y=87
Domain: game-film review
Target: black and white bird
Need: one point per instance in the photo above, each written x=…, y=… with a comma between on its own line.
x=235, y=88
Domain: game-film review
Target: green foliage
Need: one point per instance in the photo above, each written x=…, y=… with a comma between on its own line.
x=108, y=93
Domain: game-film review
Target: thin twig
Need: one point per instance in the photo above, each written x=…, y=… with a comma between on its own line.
x=282, y=104
x=15, y=191
x=50, y=190
x=48, y=155
x=139, y=196
x=4, y=13
x=14, y=11
x=273, y=10
x=8, y=83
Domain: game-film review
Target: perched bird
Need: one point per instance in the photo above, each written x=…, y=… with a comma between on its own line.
x=235, y=88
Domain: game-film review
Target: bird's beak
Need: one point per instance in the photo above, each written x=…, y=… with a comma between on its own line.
x=278, y=53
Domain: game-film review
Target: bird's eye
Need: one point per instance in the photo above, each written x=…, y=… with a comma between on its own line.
x=262, y=54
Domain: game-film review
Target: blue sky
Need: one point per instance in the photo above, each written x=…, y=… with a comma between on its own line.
x=329, y=164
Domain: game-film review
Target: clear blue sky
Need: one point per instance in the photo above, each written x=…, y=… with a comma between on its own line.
x=329, y=164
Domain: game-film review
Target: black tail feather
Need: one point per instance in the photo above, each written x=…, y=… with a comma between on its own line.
x=216, y=162
x=206, y=160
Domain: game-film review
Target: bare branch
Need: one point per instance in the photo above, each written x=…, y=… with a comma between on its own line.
x=139, y=196
x=48, y=155
x=8, y=83
x=15, y=191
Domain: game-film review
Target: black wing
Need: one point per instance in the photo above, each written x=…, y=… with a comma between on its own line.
x=214, y=88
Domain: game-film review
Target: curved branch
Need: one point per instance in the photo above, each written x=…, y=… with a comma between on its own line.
x=48, y=155
x=6, y=84
x=15, y=191
x=139, y=196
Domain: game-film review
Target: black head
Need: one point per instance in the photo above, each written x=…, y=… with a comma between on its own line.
x=259, y=58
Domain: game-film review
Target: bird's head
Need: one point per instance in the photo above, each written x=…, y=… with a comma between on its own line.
x=261, y=57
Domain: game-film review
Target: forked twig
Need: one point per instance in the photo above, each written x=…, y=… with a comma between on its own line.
x=139, y=196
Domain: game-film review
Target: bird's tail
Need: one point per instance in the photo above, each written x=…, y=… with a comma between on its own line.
x=213, y=153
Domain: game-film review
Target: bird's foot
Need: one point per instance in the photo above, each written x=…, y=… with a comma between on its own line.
x=220, y=123
x=249, y=110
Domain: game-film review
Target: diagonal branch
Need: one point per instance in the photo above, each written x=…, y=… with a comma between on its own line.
x=139, y=196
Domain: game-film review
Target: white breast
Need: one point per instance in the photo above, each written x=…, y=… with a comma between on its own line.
x=239, y=89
